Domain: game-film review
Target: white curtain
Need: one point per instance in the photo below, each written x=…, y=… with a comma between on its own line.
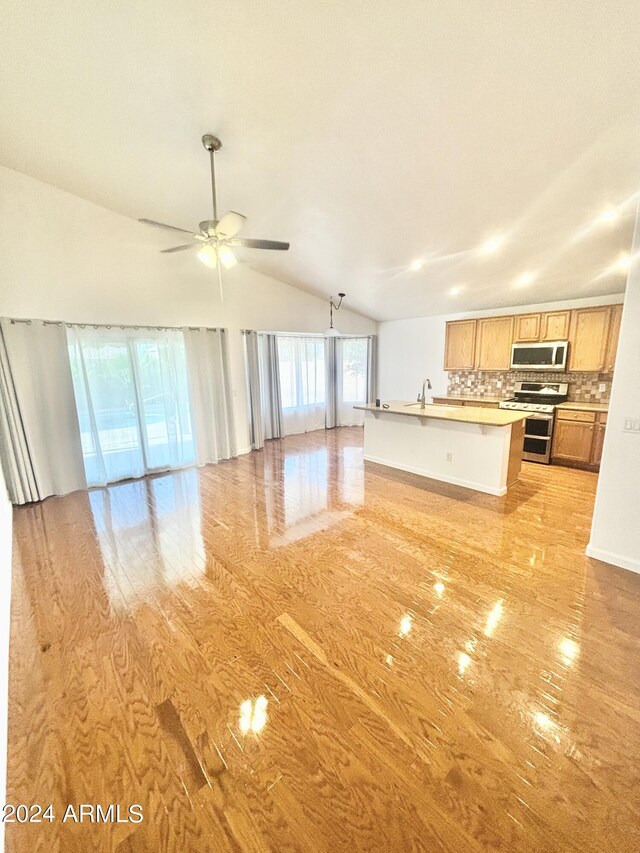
x=263, y=383
x=302, y=382
x=211, y=401
x=132, y=397
x=270, y=390
x=39, y=437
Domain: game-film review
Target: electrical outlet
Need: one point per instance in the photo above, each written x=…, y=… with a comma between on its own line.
x=449, y=457
x=602, y=387
x=632, y=424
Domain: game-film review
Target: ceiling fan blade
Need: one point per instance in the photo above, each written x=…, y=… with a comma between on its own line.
x=167, y=227
x=229, y=225
x=181, y=248
x=250, y=243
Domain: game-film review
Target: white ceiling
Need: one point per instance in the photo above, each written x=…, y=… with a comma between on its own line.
x=366, y=134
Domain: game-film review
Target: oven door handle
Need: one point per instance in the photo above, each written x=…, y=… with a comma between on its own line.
x=539, y=417
x=538, y=437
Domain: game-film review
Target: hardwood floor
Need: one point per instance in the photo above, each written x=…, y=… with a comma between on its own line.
x=290, y=652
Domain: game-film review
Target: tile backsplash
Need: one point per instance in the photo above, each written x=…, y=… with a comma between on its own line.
x=583, y=387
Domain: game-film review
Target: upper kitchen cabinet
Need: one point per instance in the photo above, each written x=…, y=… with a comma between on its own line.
x=554, y=326
x=460, y=345
x=493, y=343
x=550, y=326
x=614, y=334
x=526, y=328
x=588, y=338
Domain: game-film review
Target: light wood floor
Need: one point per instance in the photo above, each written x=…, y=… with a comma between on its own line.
x=292, y=652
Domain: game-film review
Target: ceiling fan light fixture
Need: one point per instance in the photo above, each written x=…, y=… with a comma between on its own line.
x=208, y=255
x=226, y=257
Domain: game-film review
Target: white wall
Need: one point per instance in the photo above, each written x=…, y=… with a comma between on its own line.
x=63, y=258
x=410, y=350
x=615, y=532
x=5, y=607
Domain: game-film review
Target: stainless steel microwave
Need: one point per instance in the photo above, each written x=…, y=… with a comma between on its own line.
x=549, y=355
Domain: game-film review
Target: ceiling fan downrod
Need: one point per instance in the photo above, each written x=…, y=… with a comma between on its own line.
x=212, y=144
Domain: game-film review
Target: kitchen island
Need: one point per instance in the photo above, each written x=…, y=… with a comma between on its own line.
x=478, y=448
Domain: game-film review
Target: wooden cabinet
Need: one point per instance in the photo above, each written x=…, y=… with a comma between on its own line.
x=448, y=401
x=612, y=342
x=444, y=401
x=493, y=343
x=573, y=439
x=578, y=437
x=526, y=328
x=554, y=326
x=598, y=442
x=588, y=338
x=550, y=326
x=460, y=345
x=485, y=343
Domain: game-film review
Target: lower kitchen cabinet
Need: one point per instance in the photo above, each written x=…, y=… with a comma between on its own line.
x=598, y=441
x=448, y=401
x=578, y=438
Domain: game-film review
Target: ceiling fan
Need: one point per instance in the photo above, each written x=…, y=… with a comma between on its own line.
x=216, y=238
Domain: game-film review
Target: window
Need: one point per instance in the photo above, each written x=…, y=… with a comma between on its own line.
x=354, y=370
x=302, y=382
x=352, y=356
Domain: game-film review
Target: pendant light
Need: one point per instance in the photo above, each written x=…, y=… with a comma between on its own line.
x=331, y=332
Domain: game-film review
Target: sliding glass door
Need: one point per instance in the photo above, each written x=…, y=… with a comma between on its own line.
x=132, y=398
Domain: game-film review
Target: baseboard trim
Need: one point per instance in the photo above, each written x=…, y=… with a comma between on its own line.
x=431, y=475
x=613, y=559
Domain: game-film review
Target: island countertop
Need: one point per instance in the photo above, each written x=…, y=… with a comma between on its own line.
x=463, y=414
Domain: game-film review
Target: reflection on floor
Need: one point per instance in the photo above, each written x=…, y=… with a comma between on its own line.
x=290, y=652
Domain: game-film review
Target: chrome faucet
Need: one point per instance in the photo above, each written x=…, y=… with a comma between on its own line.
x=421, y=397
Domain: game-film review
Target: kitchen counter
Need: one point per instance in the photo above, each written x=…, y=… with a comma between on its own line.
x=465, y=414
x=477, y=448
x=584, y=407
x=468, y=398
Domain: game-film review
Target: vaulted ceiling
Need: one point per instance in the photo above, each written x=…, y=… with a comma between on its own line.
x=370, y=135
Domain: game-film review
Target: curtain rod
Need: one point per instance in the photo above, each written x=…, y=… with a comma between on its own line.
x=14, y=320
x=300, y=334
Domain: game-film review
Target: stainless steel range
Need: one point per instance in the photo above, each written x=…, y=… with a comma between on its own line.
x=541, y=399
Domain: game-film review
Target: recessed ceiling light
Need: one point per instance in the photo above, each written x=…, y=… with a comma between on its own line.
x=609, y=214
x=416, y=265
x=623, y=263
x=456, y=291
x=525, y=279
x=492, y=245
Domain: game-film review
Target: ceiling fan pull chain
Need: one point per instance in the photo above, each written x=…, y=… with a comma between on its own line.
x=220, y=281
